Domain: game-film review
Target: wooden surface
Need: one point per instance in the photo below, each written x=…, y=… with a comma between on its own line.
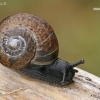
x=14, y=86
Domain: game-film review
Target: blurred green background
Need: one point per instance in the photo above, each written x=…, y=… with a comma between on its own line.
x=75, y=23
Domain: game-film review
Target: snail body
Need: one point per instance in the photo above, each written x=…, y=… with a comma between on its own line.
x=27, y=40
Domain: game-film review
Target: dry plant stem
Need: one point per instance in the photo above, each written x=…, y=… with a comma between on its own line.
x=14, y=86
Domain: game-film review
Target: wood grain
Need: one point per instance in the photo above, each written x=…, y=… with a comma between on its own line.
x=14, y=86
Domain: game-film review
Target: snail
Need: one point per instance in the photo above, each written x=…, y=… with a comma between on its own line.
x=29, y=44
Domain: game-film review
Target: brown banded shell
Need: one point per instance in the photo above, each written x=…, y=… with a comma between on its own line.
x=26, y=39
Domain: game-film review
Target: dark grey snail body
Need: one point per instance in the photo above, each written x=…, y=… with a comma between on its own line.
x=60, y=72
x=29, y=44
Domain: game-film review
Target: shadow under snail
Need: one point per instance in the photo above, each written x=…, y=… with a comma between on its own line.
x=29, y=44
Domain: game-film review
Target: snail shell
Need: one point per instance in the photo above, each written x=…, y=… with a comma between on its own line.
x=27, y=39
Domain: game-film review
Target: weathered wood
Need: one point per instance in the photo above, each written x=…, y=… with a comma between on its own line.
x=14, y=86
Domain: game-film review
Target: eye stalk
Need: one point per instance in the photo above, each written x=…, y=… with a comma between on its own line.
x=77, y=63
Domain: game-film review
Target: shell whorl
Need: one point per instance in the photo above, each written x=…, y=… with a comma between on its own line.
x=14, y=45
x=25, y=39
x=17, y=46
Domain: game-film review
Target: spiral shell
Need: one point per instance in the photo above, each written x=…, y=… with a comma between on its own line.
x=26, y=39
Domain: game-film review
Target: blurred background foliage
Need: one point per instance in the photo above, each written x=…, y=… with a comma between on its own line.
x=75, y=23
